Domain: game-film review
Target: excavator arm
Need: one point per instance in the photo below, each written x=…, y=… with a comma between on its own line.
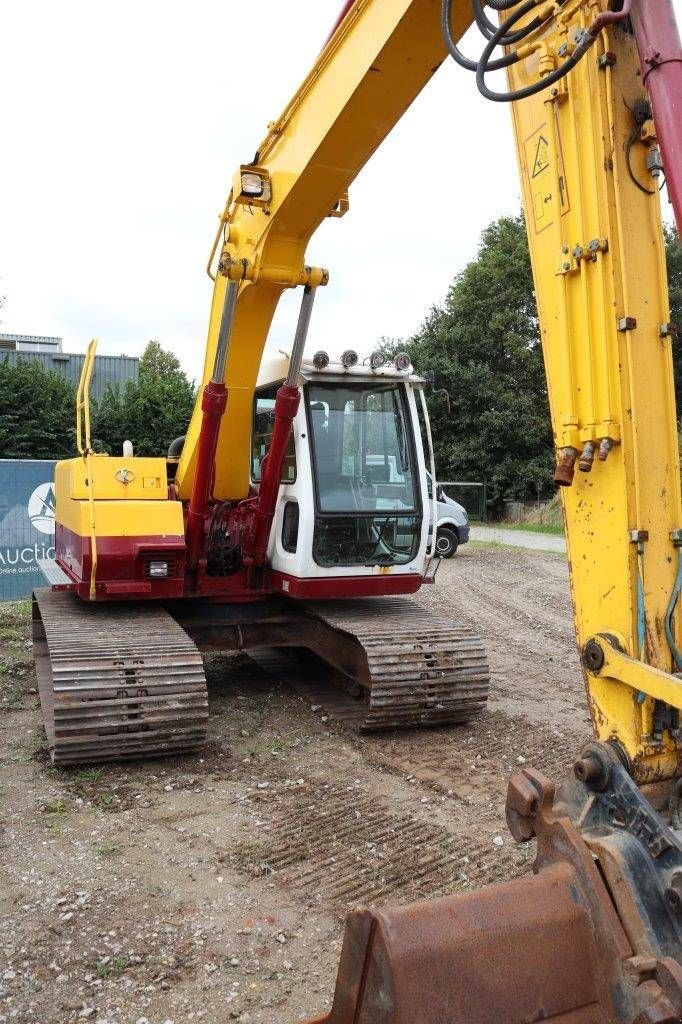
x=587, y=147
x=378, y=60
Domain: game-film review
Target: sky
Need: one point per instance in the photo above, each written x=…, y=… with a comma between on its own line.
x=120, y=132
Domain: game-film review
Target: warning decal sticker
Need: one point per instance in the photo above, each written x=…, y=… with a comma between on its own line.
x=541, y=161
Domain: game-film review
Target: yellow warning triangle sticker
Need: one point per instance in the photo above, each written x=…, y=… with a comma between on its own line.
x=541, y=162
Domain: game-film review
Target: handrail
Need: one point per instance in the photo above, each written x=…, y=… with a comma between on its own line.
x=83, y=399
x=83, y=427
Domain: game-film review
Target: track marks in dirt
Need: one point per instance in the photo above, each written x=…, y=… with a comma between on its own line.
x=474, y=762
x=338, y=846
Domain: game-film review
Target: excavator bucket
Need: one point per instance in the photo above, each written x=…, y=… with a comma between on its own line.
x=514, y=953
x=566, y=944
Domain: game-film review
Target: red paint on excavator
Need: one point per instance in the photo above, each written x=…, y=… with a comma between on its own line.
x=660, y=54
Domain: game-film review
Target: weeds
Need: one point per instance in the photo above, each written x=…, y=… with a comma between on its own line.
x=116, y=965
x=107, y=848
x=88, y=775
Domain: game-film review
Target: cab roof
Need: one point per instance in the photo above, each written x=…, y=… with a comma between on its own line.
x=274, y=368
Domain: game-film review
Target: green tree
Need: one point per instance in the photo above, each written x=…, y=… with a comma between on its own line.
x=150, y=412
x=673, y=257
x=37, y=412
x=483, y=345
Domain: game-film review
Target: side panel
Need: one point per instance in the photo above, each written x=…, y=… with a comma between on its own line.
x=609, y=369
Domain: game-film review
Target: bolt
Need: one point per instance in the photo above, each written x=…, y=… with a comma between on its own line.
x=606, y=60
x=605, y=446
x=563, y=474
x=593, y=656
x=587, y=457
x=592, y=770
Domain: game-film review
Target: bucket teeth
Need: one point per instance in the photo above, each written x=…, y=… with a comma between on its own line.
x=116, y=681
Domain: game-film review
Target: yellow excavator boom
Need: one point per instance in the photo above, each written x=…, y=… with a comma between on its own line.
x=370, y=71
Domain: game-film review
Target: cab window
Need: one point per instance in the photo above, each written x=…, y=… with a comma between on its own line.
x=263, y=422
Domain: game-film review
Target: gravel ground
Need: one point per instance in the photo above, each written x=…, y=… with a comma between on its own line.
x=214, y=888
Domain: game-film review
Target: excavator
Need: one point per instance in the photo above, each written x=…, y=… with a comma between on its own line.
x=294, y=511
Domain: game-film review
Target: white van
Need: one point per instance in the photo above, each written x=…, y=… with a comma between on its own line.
x=453, y=522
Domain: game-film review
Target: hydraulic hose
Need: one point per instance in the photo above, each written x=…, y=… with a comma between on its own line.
x=501, y=5
x=488, y=28
x=485, y=64
x=456, y=53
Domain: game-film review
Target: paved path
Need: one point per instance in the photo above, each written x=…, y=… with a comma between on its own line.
x=519, y=538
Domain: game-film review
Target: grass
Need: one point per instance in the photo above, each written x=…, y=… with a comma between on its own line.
x=16, y=668
x=88, y=775
x=107, y=848
x=558, y=531
x=116, y=965
x=104, y=801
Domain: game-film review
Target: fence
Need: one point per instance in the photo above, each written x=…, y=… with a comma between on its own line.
x=26, y=525
x=473, y=495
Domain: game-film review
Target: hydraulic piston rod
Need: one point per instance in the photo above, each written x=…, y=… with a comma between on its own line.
x=286, y=407
x=213, y=404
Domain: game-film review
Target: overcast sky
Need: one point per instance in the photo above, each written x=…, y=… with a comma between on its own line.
x=121, y=128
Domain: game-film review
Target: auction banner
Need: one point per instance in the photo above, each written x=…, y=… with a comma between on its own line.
x=27, y=507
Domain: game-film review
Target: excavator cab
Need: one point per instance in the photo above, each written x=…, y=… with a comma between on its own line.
x=353, y=501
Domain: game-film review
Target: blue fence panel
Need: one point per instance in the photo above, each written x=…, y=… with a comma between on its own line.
x=26, y=525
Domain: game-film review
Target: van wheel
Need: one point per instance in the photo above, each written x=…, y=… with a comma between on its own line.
x=446, y=542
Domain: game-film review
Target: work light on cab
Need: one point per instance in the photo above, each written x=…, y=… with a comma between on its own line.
x=349, y=358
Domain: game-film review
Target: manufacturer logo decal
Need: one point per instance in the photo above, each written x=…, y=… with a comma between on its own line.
x=41, y=508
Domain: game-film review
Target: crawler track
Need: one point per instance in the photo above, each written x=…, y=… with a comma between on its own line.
x=116, y=681
x=409, y=668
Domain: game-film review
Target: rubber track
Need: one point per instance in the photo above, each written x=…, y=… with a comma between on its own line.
x=422, y=669
x=116, y=681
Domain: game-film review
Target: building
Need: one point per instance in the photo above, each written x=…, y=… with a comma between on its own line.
x=29, y=343
x=48, y=352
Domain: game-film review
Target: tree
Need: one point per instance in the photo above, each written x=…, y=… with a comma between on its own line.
x=673, y=257
x=152, y=411
x=483, y=344
x=157, y=363
x=37, y=412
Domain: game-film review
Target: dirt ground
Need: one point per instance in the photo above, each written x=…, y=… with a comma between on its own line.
x=215, y=888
